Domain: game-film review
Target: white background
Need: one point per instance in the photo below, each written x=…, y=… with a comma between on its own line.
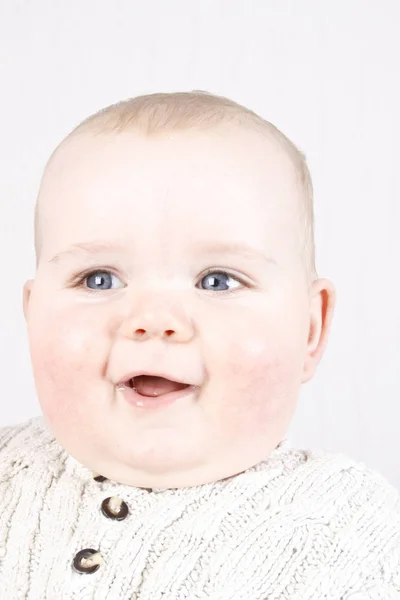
x=325, y=72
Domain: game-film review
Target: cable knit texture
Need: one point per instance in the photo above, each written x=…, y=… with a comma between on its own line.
x=301, y=525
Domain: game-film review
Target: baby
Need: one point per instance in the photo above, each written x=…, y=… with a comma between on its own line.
x=175, y=314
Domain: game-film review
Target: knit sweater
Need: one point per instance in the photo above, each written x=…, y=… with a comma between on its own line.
x=300, y=525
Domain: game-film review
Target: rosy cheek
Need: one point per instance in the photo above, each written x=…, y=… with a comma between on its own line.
x=264, y=405
x=261, y=371
x=64, y=361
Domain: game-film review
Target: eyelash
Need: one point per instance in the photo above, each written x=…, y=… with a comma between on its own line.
x=82, y=277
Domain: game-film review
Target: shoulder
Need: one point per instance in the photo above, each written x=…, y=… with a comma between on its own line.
x=352, y=478
x=25, y=445
x=20, y=436
x=323, y=468
x=360, y=512
x=340, y=483
x=327, y=483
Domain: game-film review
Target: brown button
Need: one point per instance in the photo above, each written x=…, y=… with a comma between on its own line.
x=114, y=508
x=99, y=478
x=87, y=561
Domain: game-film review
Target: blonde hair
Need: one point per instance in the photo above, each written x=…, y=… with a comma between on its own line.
x=159, y=113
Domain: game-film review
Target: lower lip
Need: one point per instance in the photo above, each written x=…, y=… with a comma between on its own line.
x=154, y=402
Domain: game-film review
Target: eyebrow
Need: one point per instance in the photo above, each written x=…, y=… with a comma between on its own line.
x=232, y=248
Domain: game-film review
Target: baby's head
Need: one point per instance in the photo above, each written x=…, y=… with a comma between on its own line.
x=174, y=235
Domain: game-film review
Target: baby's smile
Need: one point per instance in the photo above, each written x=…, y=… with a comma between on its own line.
x=152, y=392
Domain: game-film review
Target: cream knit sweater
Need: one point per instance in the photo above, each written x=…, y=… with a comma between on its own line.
x=301, y=525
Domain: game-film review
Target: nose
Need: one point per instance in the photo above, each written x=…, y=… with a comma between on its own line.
x=162, y=320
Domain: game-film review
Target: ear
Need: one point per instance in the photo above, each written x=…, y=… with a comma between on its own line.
x=26, y=296
x=322, y=304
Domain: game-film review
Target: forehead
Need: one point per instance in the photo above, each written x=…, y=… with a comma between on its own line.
x=213, y=180
x=228, y=143
x=225, y=158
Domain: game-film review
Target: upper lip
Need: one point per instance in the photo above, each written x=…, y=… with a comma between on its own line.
x=172, y=377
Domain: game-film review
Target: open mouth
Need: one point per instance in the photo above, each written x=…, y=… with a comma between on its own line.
x=153, y=392
x=151, y=385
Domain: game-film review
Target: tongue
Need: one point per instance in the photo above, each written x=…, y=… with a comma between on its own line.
x=149, y=385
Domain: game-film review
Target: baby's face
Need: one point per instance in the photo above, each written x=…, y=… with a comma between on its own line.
x=167, y=204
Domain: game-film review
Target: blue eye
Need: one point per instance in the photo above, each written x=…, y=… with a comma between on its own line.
x=102, y=279
x=218, y=279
